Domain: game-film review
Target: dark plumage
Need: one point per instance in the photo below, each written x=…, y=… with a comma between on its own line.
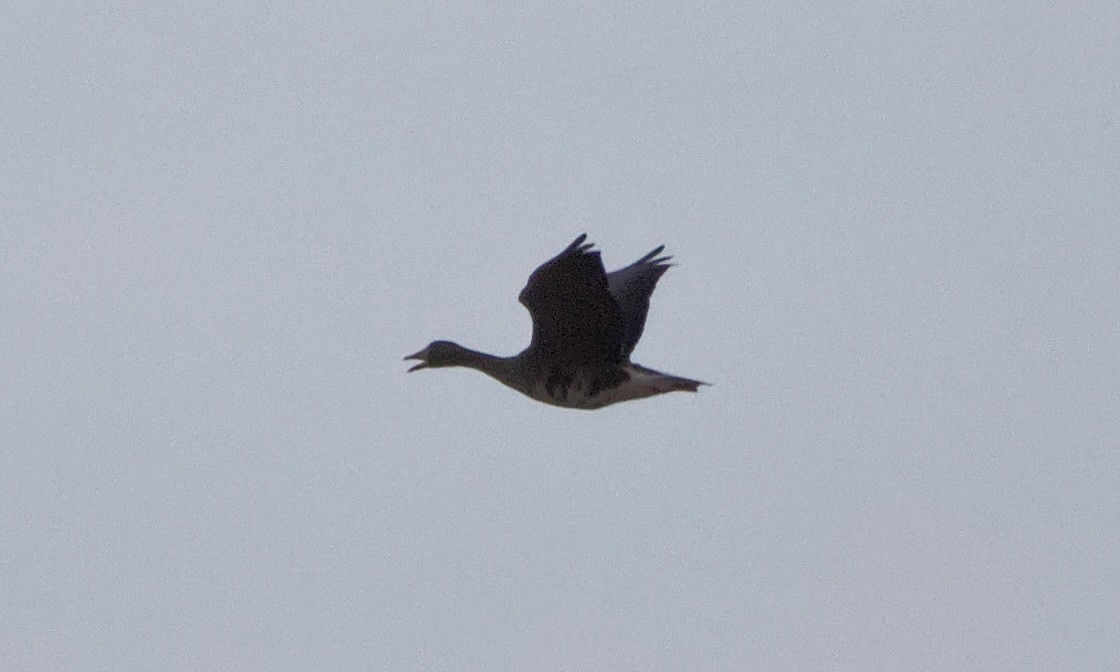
x=586, y=323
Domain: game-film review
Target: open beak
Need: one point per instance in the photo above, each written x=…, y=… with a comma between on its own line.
x=422, y=356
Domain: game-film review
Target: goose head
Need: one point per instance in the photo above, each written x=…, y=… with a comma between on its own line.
x=439, y=354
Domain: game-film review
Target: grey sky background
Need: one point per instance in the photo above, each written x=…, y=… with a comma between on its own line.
x=897, y=231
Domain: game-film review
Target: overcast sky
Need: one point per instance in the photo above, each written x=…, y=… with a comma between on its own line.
x=897, y=237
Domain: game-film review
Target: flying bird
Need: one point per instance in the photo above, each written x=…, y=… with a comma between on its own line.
x=586, y=323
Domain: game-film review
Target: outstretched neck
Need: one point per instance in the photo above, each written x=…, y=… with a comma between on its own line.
x=502, y=369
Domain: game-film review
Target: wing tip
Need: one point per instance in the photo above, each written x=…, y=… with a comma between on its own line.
x=652, y=258
x=578, y=245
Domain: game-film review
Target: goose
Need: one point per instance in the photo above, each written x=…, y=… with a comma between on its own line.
x=586, y=323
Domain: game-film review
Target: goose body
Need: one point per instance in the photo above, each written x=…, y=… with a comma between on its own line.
x=586, y=322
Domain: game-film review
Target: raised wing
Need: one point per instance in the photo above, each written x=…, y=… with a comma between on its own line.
x=575, y=318
x=631, y=288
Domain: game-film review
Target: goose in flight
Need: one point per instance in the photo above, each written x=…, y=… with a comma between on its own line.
x=586, y=322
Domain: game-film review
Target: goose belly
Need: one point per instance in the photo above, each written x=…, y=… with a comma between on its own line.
x=591, y=388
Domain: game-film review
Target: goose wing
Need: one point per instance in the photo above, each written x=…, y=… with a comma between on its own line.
x=631, y=288
x=576, y=320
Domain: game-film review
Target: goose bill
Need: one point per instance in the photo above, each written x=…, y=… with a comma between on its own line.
x=422, y=356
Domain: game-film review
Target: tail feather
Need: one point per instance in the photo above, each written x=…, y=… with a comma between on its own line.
x=685, y=384
x=667, y=382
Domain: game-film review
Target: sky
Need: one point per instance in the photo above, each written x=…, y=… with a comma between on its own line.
x=896, y=230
